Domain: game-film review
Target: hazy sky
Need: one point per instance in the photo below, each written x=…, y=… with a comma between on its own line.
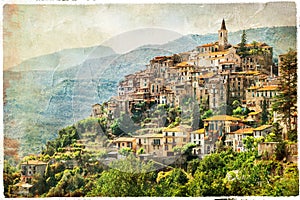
x=33, y=30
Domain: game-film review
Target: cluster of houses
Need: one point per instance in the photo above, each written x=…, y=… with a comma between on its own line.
x=234, y=130
x=215, y=74
x=162, y=144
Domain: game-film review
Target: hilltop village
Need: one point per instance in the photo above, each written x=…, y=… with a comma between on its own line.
x=215, y=76
x=188, y=105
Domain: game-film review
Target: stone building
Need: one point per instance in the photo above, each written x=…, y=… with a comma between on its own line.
x=97, y=110
x=256, y=95
x=31, y=168
x=151, y=143
x=217, y=127
x=123, y=142
x=258, y=58
x=197, y=137
x=177, y=136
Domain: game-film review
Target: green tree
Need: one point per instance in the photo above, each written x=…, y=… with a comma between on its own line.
x=171, y=183
x=285, y=102
x=115, y=128
x=11, y=176
x=235, y=104
x=70, y=184
x=238, y=111
x=39, y=185
x=208, y=178
x=265, y=113
x=126, y=151
x=242, y=48
x=141, y=151
x=126, y=177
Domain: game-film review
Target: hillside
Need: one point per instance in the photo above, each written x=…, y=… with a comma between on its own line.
x=46, y=93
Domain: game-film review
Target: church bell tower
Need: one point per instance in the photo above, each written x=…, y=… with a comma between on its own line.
x=223, y=36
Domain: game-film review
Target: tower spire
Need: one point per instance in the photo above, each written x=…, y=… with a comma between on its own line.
x=223, y=26
x=223, y=34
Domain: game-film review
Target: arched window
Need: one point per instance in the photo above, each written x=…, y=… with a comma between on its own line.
x=221, y=34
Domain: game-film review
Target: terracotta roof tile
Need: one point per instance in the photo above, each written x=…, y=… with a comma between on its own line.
x=263, y=127
x=222, y=118
x=269, y=88
x=34, y=162
x=244, y=131
x=125, y=139
x=199, y=131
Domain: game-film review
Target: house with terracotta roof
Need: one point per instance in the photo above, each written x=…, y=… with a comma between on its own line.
x=255, y=95
x=31, y=168
x=235, y=139
x=217, y=127
x=123, y=142
x=151, y=143
x=262, y=131
x=253, y=118
x=177, y=136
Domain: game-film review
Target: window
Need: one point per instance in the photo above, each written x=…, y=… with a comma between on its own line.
x=156, y=141
x=199, y=151
x=211, y=126
x=208, y=149
x=173, y=134
x=166, y=148
x=28, y=180
x=144, y=140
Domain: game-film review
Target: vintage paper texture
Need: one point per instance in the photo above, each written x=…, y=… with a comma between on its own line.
x=59, y=60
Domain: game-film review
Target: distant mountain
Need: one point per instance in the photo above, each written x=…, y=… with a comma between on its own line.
x=64, y=59
x=49, y=92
